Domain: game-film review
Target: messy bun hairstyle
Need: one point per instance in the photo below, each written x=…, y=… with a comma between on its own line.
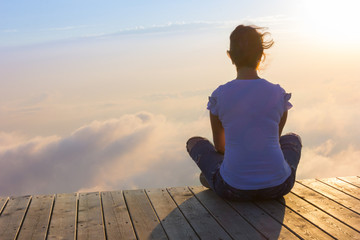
x=247, y=45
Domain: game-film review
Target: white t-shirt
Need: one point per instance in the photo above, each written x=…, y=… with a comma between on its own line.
x=250, y=112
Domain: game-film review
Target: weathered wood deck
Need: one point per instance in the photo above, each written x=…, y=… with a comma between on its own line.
x=315, y=209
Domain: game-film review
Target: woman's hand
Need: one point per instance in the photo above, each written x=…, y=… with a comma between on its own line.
x=218, y=133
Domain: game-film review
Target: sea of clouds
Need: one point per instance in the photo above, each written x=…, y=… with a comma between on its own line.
x=139, y=150
x=143, y=150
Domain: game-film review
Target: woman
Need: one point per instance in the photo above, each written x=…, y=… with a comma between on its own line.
x=249, y=160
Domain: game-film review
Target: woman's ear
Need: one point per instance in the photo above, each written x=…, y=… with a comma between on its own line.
x=229, y=55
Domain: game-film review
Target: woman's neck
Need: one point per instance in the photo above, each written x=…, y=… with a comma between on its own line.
x=247, y=73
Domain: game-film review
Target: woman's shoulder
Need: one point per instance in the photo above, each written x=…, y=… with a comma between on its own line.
x=267, y=82
x=219, y=89
x=282, y=94
x=260, y=84
x=273, y=86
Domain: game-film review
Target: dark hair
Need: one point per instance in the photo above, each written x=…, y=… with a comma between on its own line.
x=247, y=46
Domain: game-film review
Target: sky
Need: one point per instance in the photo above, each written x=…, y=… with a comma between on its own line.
x=102, y=95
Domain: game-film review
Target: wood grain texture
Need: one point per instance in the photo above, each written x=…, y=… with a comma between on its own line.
x=145, y=221
x=12, y=216
x=334, y=194
x=292, y=220
x=334, y=227
x=352, y=179
x=262, y=221
x=314, y=209
x=342, y=186
x=90, y=220
x=36, y=223
x=117, y=220
x=200, y=219
x=345, y=215
x=173, y=221
x=234, y=224
x=63, y=218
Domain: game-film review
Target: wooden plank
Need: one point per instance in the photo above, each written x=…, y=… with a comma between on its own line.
x=145, y=221
x=263, y=222
x=3, y=202
x=234, y=224
x=63, y=218
x=90, y=221
x=343, y=186
x=343, y=214
x=117, y=220
x=332, y=193
x=200, y=219
x=36, y=223
x=352, y=179
x=12, y=216
x=174, y=223
x=293, y=221
x=331, y=225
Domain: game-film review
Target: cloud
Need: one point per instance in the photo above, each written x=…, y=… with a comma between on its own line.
x=9, y=31
x=159, y=28
x=8, y=140
x=320, y=162
x=325, y=115
x=140, y=150
x=186, y=26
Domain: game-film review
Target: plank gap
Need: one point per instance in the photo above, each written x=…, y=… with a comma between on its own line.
x=183, y=214
x=4, y=205
x=102, y=215
x=328, y=198
x=313, y=204
x=249, y=222
x=23, y=218
x=261, y=219
x=76, y=216
x=281, y=223
x=132, y=221
x=301, y=217
x=321, y=219
x=344, y=180
x=337, y=189
x=216, y=219
x=156, y=214
x=50, y=216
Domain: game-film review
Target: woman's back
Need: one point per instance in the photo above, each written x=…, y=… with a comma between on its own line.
x=250, y=112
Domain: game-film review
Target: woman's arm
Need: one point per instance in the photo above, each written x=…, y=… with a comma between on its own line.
x=218, y=133
x=282, y=122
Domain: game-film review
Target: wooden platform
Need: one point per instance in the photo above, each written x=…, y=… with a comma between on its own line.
x=315, y=209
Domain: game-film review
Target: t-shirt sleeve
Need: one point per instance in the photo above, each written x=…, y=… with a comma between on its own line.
x=213, y=104
x=287, y=104
x=286, y=97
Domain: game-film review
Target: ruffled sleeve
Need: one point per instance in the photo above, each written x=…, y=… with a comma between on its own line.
x=213, y=104
x=286, y=97
x=287, y=104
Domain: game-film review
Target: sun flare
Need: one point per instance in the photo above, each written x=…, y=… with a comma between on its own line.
x=333, y=19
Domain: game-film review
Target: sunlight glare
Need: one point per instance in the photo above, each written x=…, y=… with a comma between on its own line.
x=334, y=20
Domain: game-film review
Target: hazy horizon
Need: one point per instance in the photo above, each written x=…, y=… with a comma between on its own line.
x=106, y=99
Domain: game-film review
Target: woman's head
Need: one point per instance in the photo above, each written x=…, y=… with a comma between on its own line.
x=247, y=46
